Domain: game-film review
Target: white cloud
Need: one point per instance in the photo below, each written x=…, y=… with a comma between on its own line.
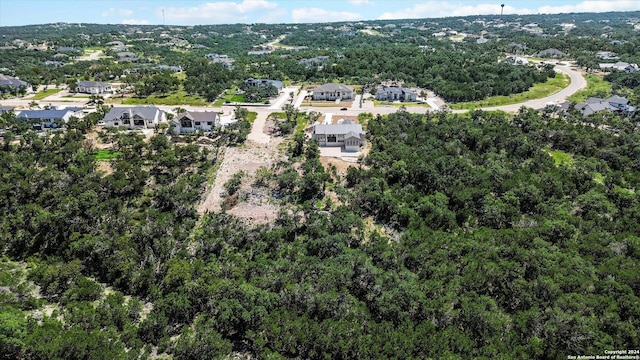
x=358, y=2
x=314, y=15
x=221, y=12
x=117, y=12
x=136, y=22
x=436, y=9
x=593, y=6
x=272, y=17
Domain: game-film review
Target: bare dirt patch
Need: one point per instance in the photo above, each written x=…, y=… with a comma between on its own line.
x=105, y=167
x=254, y=206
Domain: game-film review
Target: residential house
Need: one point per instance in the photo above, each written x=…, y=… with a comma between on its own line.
x=4, y=109
x=332, y=92
x=134, y=117
x=67, y=49
x=315, y=61
x=349, y=135
x=264, y=82
x=620, y=66
x=126, y=56
x=225, y=60
x=9, y=81
x=551, y=53
x=172, y=68
x=616, y=104
x=48, y=118
x=192, y=121
x=395, y=93
x=607, y=55
x=93, y=87
x=516, y=60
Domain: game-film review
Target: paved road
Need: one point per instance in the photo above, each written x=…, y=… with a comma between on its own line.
x=578, y=82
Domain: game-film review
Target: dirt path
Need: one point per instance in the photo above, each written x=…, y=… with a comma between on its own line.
x=257, y=134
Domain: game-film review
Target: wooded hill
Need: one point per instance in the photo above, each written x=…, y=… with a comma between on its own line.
x=478, y=235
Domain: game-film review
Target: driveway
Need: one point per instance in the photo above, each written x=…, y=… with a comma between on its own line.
x=284, y=97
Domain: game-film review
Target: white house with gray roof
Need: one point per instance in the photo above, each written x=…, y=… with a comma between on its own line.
x=349, y=135
x=193, y=121
x=93, y=87
x=333, y=92
x=134, y=117
x=395, y=93
x=620, y=66
x=616, y=104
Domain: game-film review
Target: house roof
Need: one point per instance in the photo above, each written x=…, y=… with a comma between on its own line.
x=352, y=130
x=92, y=84
x=201, y=115
x=11, y=81
x=146, y=112
x=331, y=87
x=618, y=100
x=276, y=83
x=44, y=114
x=551, y=52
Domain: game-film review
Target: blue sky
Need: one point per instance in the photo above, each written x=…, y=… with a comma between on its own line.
x=203, y=12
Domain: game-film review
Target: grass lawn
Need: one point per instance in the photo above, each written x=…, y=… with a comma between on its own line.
x=561, y=158
x=179, y=98
x=537, y=91
x=44, y=93
x=94, y=48
x=251, y=117
x=107, y=154
x=596, y=87
x=229, y=96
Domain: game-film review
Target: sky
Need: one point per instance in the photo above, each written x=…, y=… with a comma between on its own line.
x=206, y=12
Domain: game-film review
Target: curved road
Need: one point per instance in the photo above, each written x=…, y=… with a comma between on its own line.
x=578, y=82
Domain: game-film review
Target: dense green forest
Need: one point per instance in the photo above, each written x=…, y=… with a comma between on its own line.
x=458, y=236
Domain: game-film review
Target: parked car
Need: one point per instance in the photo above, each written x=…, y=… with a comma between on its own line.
x=344, y=109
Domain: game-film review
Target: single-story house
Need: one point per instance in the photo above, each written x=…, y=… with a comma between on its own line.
x=172, y=68
x=351, y=136
x=395, y=93
x=614, y=104
x=4, y=109
x=263, y=82
x=333, y=92
x=12, y=82
x=620, y=66
x=607, y=55
x=551, y=53
x=48, y=118
x=93, y=87
x=192, y=121
x=516, y=60
x=223, y=59
x=134, y=117
x=315, y=61
x=126, y=56
x=53, y=63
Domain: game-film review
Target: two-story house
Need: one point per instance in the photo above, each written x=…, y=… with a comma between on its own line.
x=332, y=92
x=134, y=117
